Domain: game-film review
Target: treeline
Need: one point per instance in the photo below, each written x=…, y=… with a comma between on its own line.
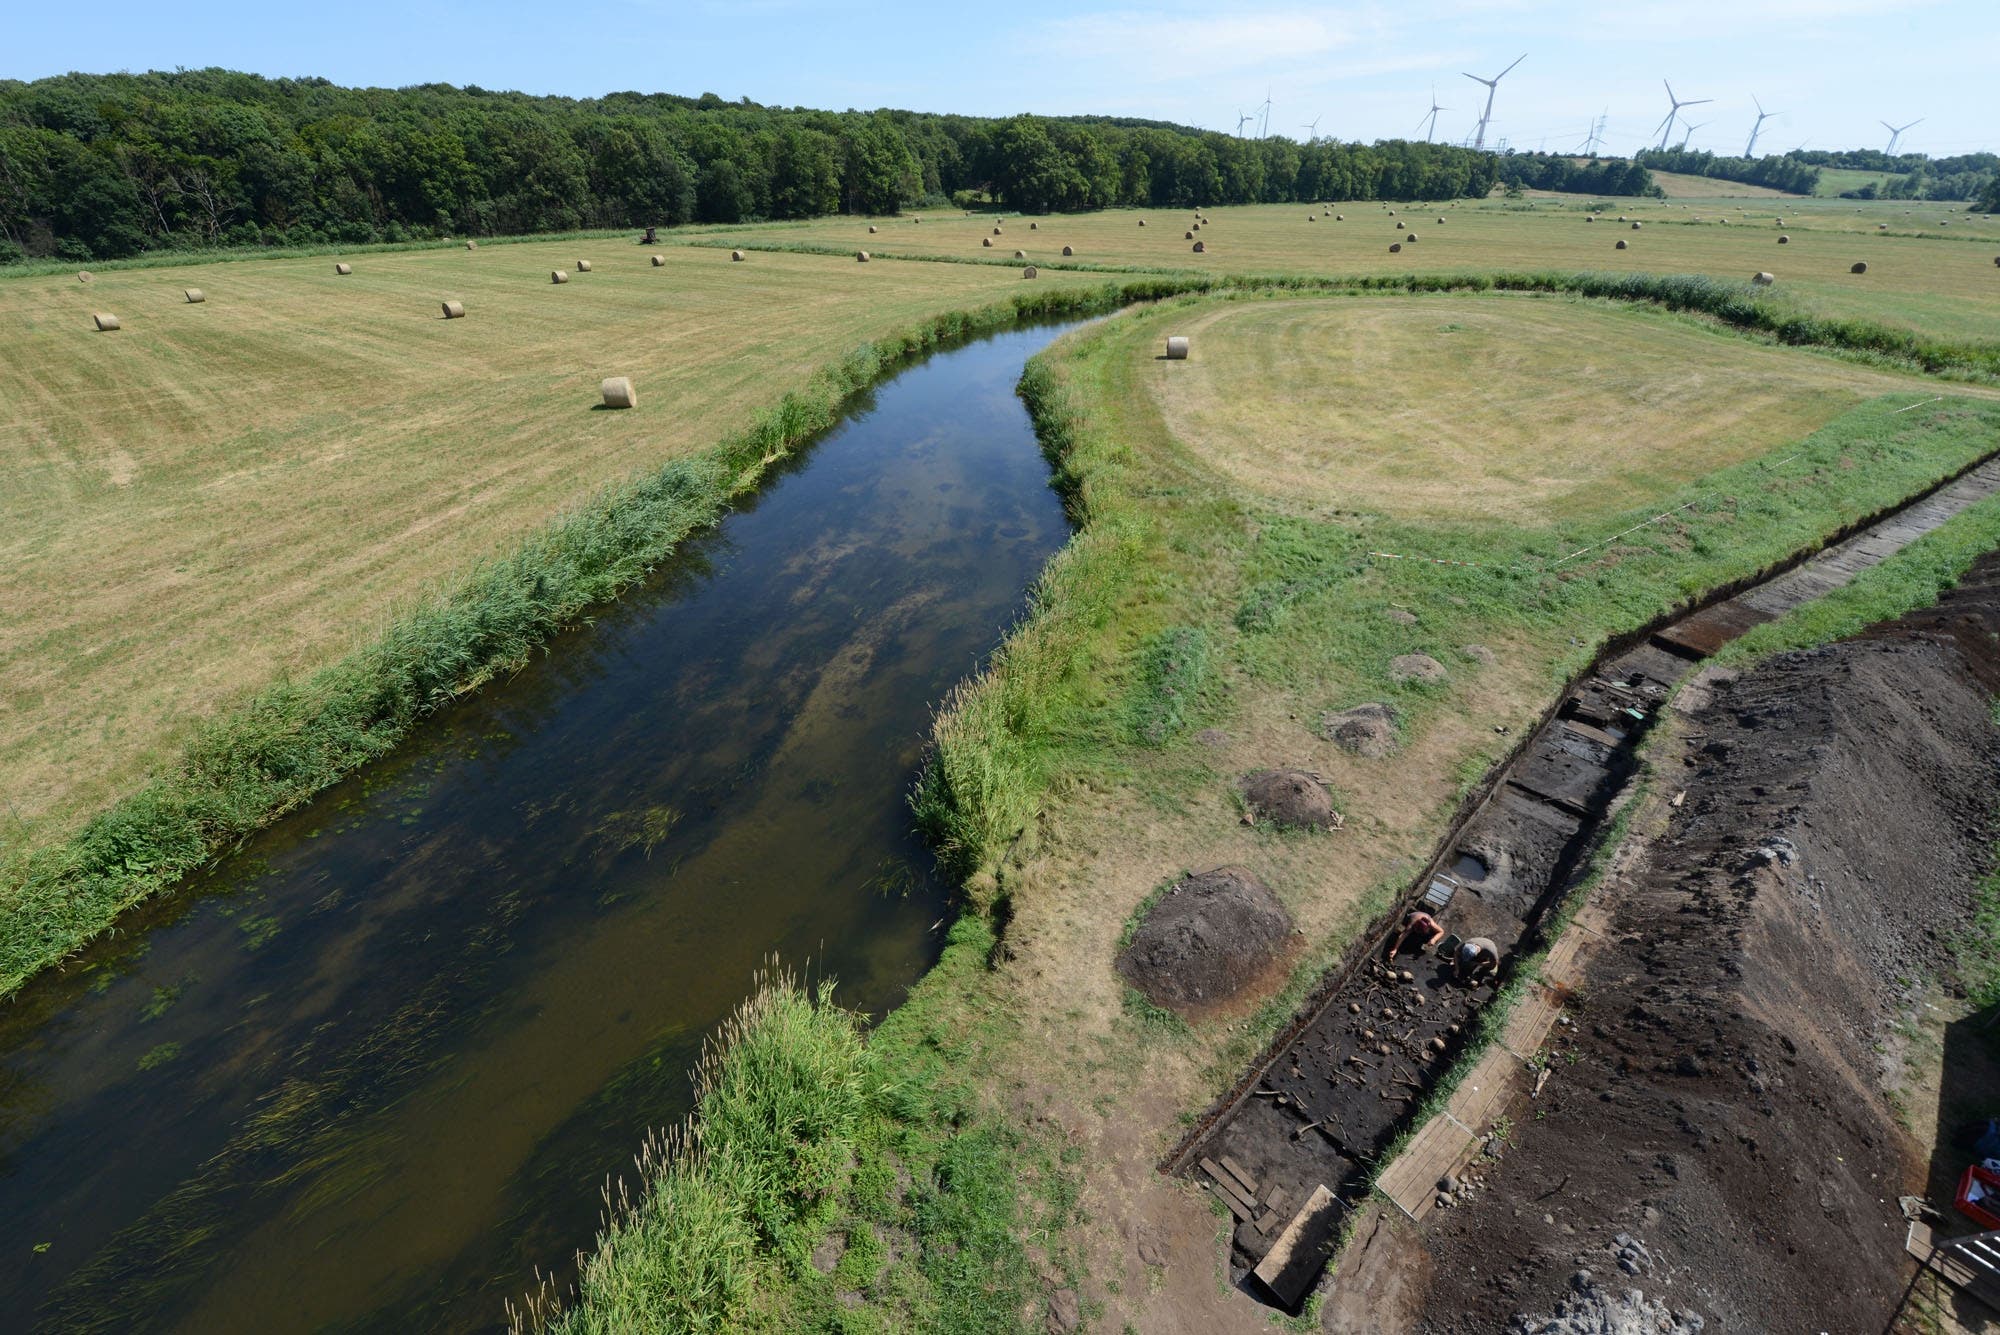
x=1587, y=176
x=1788, y=172
x=1913, y=175
x=101, y=166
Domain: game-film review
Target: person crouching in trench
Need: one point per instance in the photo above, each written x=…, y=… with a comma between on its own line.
x=1419, y=928
x=1478, y=960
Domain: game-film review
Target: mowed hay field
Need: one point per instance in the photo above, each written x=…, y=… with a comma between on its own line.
x=1529, y=409
x=220, y=493
x=1940, y=281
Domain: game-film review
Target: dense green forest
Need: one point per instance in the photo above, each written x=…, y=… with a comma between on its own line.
x=100, y=166
x=1585, y=176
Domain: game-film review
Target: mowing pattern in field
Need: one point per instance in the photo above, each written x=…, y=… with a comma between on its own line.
x=1940, y=281
x=221, y=492
x=1527, y=409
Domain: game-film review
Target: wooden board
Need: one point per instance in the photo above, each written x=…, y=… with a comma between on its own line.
x=1291, y=1267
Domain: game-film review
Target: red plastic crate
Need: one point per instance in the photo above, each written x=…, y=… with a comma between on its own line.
x=1978, y=1211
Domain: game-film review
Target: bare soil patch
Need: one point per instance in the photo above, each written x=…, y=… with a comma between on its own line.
x=1717, y=1133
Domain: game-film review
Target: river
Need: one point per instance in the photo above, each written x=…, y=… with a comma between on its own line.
x=371, y=1069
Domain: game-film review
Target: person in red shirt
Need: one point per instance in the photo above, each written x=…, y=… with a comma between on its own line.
x=1419, y=927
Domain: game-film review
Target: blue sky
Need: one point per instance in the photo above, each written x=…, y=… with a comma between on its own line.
x=1830, y=69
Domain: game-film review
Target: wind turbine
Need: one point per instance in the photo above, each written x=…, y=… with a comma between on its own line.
x=1750, y=149
x=1241, y=120
x=1896, y=133
x=1667, y=125
x=1492, y=85
x=1312, y=131
x=1430, y=122
x=1689, y=132
x=1264, y=129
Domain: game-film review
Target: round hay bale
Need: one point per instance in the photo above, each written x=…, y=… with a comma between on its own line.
x=453, y=310
x=195, y=296
x=1636, y=226
x=1200, y=247
x=1415, y=667
x=1177, y=347
x=659, y=260
x=1142, y=222
x=1621, y=217
x=1020, y=254
x=618, y=393
x=1881, y=227
x=986, y=241
x=1205, y=939
x=1034, y=227
x=583, y=266
x=1197, y=227
x=1410, y=237
x=105, y=323
x=1030, y=272
x=871, y=229
x=343, y=269
x=1392, y=213
x=1340, y=217
x=1621, y=243
x=1590, y=217
x=1188, y=235
x=1395, y=247
x=472, y=245
x=1784, y=240
x=1763, y=279
x=1859, y=266
x=83, y=276
x=736, y=257
x=918, y=221
x=1312, y=217
x=558, y=276
x=1289, y=798
x=861, y=257
x=1368, y=731
x=1440, y=222
x=1067, y=252
x=996, y=229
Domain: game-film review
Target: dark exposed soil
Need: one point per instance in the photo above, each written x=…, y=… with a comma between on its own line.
x=1714, y=1133
x=1205, y=938
x=1290, y=798
x=1366, y=730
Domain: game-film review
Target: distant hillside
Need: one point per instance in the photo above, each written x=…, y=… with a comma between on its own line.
x=1678, y=185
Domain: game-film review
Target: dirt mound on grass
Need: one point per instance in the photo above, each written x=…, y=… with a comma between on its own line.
x=1291, y=798
x=1415, y=667
x=1367, y=730
x=1205, y=939
x=1723, y=1086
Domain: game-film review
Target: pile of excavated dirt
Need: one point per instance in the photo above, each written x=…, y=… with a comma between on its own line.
x=1416, y=667
x=1291, y=798
x=1718, y=1104
x=1369, y=730
x=1206, y=939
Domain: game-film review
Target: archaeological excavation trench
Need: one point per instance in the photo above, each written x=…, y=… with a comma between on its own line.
x=1295, y=1145
x=370, y=1070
